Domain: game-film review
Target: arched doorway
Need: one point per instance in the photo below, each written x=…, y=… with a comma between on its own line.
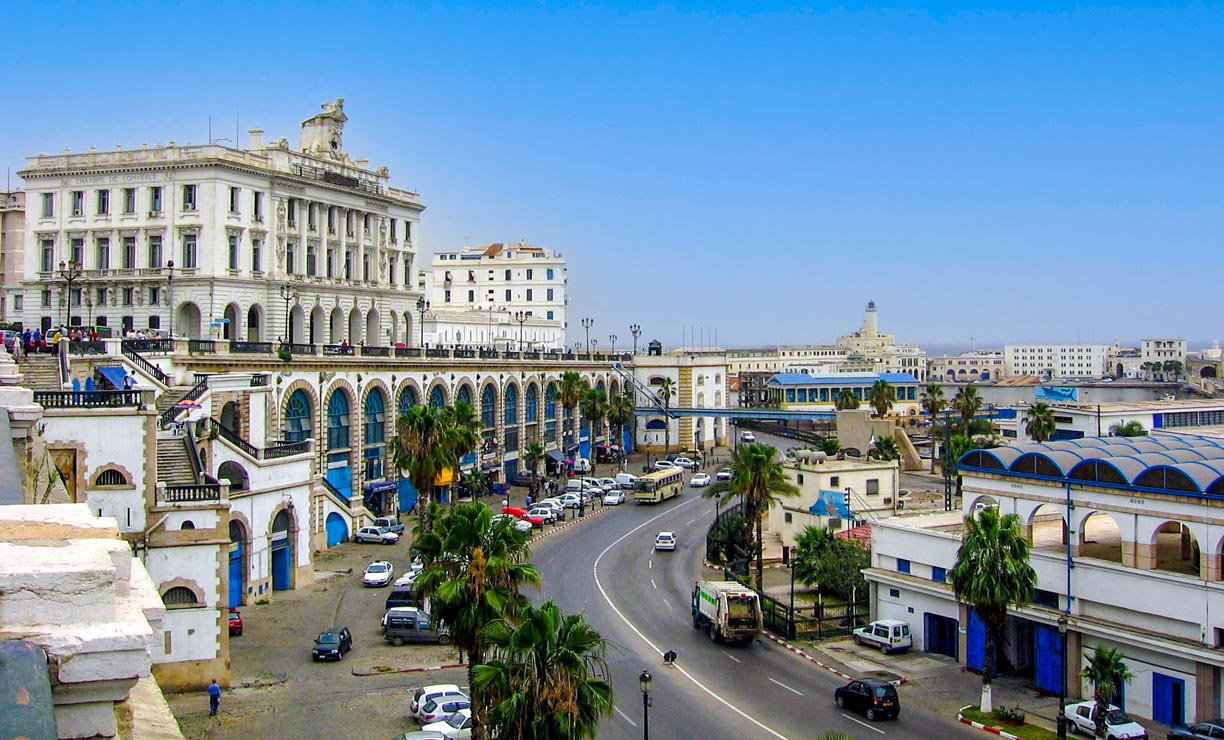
x=373, y=328
x=354, y=326
x=297, y=325
x=254, y=325
x=335, y=326
x=316, y=325
x=282, y=552
x=237, y=562
x=232, y=327
x=229, y=416
x=187, y=320
x=337, y=529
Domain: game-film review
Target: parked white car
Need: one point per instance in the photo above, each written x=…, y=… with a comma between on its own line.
x=521, y=525
x=685, y=462
x=377, y=535
x=1118, y=724
x=889, y=635
x=547, y=513
x=663, y=465
x=700, y=480
x=614, y=498
x=456, y=727
x=378, y=573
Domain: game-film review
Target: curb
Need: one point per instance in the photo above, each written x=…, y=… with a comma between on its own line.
x=570, y=522
x=988, y=728
x=414, y=669
x=801, y=653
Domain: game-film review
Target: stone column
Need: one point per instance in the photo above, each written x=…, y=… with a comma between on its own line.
x=1206, y=693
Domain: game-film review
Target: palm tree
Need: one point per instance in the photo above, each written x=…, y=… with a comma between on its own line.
x=992, y=571
x=1128, y=429
x=667, y=387
x=811, y=545
x=546, y=676
x=933, y=402
x=418, y=450
x=594, y=405
x=830, y=446
x=569, y=393
x=620, y=413
x=1107, y=672
x=882, y=395
x=846, y=400
x=472, y=575
x=967, y=403
x=886, y=449
x=461, y=431
x=533, y=455
x=1040, y=424
x=758, y=480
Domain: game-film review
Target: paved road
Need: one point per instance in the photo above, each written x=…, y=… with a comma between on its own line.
x=639, y=600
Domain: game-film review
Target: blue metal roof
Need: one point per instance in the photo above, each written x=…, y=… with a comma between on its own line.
x=841, y=380
x=1177, y=465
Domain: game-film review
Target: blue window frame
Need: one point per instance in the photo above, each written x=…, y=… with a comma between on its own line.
x=297, y=417
x=550, y=412
x=488, y=407
x=407, y=399
x=338, y=431
x=375, y=434
x=437, y=399
x=532, y=409
x=464, y=395
x=510, y=415
x=903, y=565
x=939, y=575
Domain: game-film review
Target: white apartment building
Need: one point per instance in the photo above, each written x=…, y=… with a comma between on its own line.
x=215, y=242
x=967, y=367
x=505, y=280
x=1056, y=360
x=12, y=249
x=833, y=494
x=493, y=328
x=866, y=350
x=1126, y=541
x=1160, y=351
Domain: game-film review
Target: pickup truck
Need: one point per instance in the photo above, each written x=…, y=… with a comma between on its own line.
x=389, y=523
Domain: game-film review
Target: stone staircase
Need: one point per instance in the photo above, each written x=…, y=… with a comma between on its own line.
x=170, y=397
x=40, y=372
x=173, y=463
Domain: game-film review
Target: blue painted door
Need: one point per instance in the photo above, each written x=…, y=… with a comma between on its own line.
x=942, y=635
x=1047, y=657
x=975, y=657
x=511, y=469
x=237, y=584
x=337, y=529
x=340, y=475
x=280, y=566
x=407, y=495
x=1168, y=699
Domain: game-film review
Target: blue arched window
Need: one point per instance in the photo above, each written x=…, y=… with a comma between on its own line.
x=550, y=413
x=511, y=412
x=599, y=385
x=532, y=410
x=437, y=399
x=375, y=434
x=488, y=407
x=298, y=427
x=464, y=395
x=338, y=433
x=408, y=399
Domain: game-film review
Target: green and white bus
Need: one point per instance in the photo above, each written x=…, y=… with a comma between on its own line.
x=657, y=486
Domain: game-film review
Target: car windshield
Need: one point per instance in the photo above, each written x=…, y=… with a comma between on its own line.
x=377, y=568
x=455, y=720
x=328, y=638
x=1117, y=717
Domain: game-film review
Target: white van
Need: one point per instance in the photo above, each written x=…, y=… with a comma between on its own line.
x=626, y=480
x=582, y=465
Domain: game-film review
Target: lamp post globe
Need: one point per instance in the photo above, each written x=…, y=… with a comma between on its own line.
x=644, y=685
x=636, y=331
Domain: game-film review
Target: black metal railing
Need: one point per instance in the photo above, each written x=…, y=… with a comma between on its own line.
x=375, y=351
x=511, y=355
x=275, y=452
x=192, y=493
x=407, y=351
x=300, y=349
x=465, y=354
x=286, y=449
x=201, y=346
x=148, y=345
x=142, y=363
x=251, y=347
x=194, y=394
x=87, y=399
x=232, y=437
x=488, y=354
x=437, y=352
x=337, y=349
x=86, y=348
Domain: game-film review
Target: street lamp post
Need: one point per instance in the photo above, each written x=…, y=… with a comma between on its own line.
x=636, y=331
x=422, y=307
x=287, y=294
x=577, y=348
x=943, y=463
x=644, y=684
x=1062, y=680
x=587, y=324
x=612, y=338
x=70, y=272
x=170, y=295
x=521, y=318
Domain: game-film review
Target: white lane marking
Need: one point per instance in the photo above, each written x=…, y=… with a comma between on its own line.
x=690, y=521
x=618, y=711
x=732, y=657
x=652, y=583
x=649, y=564
x=864, y=724
x=796, y=693
x=604, y=592
x=667, y=604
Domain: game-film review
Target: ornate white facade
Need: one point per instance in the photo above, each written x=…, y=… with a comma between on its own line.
x=211, y=241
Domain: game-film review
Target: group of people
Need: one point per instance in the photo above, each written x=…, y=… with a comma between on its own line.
x=36, y=341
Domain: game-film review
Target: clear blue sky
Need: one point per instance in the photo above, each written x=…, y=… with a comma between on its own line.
x=1004, y=172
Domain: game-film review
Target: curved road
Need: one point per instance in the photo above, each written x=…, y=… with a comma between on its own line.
x=639, y=600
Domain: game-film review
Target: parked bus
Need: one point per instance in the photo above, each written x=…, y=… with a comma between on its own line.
x=658, y=485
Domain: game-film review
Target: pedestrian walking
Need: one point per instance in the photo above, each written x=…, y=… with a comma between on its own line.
x=214, y=698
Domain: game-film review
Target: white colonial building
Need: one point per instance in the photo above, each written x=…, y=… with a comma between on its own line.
x=698, y=380
x=12, y=249
x=1127, y=540
x=303, y=243
x=967, y=367
x=1056, y=360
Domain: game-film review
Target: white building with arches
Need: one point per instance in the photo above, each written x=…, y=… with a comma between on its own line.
x=698, y=379
x=1127, y=540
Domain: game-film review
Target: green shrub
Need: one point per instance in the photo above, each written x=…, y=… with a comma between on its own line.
x=1009, y=715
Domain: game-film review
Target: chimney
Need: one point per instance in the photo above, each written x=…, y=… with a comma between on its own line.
x=256, y=140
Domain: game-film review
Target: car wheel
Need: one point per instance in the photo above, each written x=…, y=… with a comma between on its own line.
x=397, y=641
x=858, y=640
x=883, y=649
x=443, y=639
x=871, y=714
x=1072, y=727
x=840, y=702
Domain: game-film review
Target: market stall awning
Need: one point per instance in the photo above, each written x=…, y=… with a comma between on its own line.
x=444, y=478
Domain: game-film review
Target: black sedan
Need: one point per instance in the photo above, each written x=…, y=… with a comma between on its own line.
x=1210, y=730
x=871, y=697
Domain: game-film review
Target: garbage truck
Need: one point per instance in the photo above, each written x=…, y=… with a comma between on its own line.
x=731, y=612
